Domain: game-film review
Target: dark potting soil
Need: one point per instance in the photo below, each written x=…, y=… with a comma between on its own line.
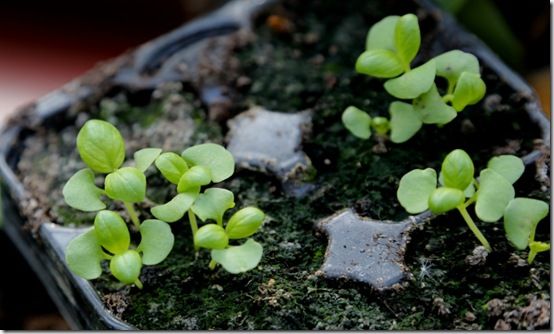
x=301, y=59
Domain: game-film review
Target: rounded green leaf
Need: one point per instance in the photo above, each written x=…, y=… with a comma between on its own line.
x=381, y=125
x=175, y=209
x=457, y=170
x=126, y=184
x=412, y=83
x=415, y=188
x=145, y=157
x=81, y=193
x=156, y=241
x=215, y=157
x=194, y=178
x=213, y=203
x=172, y=166
x=84, y=254
x=111, y=231
x=126, y=266
x=521, y=218
x=238, y=259
x=407, y=38
x=404, y=122
x=357, y=122
x=469, y=90
x=445, y=199
x=381, y=34
x=494, y=194
x=211, y=236
x=101, y=146
x=379, y=63
x=432, y=108
x=469, y=191
x=509, y=166
x=452, y=64
x=244, y=223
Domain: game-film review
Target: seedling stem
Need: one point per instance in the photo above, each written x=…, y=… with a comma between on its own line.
x=132, y=214
x=193, y=226
x=462, y=209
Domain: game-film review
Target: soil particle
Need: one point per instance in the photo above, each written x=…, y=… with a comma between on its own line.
x=501, y=325
x=542, y=165
x=441, y=307
x=117, y=302
x=535, y=315
x=517, y=260
x=496, y=307
x=279, y=24
x=478, y=257
x=469, y=317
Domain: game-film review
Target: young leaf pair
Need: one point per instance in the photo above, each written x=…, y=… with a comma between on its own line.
x=109, y=239
x=199, y=166
x=102, y=148
x=493, y=195
x=391, y=46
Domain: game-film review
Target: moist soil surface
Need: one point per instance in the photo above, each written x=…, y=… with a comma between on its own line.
x=303, y=58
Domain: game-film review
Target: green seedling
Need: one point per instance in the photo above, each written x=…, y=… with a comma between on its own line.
x=102, y=148
x=492, y=193
x=200, y=166
x=391, y=46
x=109, y=239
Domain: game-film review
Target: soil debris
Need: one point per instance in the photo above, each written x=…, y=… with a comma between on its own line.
x=478, y=257
x=116, y=302
x=535, y=315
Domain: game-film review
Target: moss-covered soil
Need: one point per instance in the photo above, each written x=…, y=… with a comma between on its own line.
x=306, y=62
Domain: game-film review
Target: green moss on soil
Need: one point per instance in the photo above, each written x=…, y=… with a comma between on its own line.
x=290, y=73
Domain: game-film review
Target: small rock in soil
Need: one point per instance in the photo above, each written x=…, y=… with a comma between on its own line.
x=441, y=306
x=365, y=250
x=271, y=142
x=470, y=317
x=478, y=257
x=496, y=307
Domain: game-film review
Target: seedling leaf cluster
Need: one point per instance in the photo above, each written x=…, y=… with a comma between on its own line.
x=391, y=47
x=493, y=194
x=102, y=148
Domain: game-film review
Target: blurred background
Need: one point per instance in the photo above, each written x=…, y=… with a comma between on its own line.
x=44, y=44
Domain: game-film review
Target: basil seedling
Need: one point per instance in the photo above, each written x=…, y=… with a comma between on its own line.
x=391, y=46
x=102, y=148
x=492, y=193
x=109, y=239
x=199, y=166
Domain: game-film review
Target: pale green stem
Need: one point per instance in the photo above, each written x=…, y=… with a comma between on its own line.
x=470, y=201
x=450, y=89
x=132, y=213
x=532, y=234
x=474, y=227
x=138, y=283
x=531, y=256
x=532, y=252
x=447, y=98
x=212, y=264
x=193, y=226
